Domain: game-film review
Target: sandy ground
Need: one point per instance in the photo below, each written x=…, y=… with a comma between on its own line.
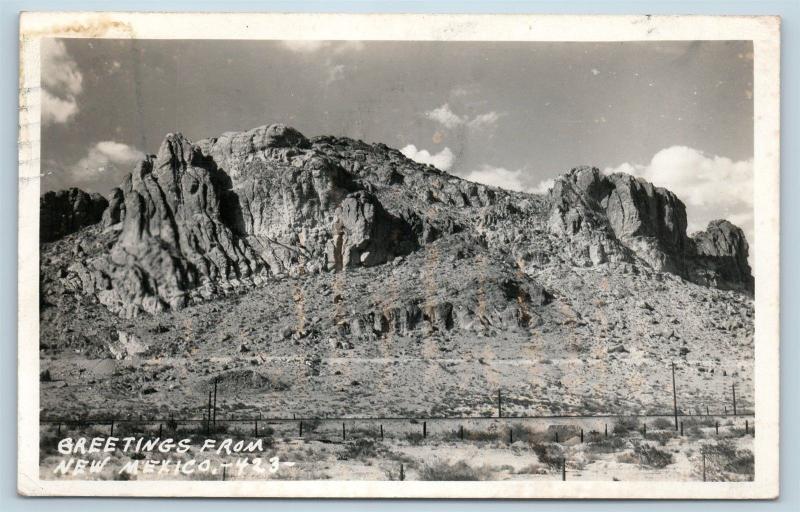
x=487, y=452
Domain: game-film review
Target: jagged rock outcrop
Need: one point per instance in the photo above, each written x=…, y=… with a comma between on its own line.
x=66, y=211
x=611, y=217
x=198, y=220
x=721, y=257
x=232, y=151
x=172, y=239
x=187, y=230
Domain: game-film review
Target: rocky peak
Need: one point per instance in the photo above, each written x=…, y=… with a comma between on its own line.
x=605, y=212
x=722, y=252
x=649, y=220
x=198, y=220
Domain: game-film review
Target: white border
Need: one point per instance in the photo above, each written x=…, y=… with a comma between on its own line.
x=763, y=30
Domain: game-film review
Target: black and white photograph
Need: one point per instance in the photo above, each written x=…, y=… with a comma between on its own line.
x=459, y=256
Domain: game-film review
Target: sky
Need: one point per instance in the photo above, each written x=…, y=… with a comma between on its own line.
x=510, y=114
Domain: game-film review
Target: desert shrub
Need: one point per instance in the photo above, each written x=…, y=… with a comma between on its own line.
x=48, y=442
x=723, y=460
x=359, y=449
x=445, y=471
x=626, y=424
x=607, y=445
x=698, y=421
x=312, y=425
x=743, y=463
x=548, y=454
x=663, y=424
x=564, y=432
x=532, y=469
x=652, y=456
x=414, y=438
x=662, y=437
x=481, y=435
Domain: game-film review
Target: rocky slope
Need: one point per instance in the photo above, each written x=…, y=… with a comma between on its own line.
x=265, y=244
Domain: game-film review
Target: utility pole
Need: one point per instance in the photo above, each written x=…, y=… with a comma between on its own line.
x=674, y=397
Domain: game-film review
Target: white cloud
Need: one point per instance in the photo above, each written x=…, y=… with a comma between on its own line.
x=335, y=73
x=445, y=116
x=62, y=83
x=712, y=187
x=442, y=160
x=56, y=110
x=543, y=187
x=484, y=120
x=507, y=179
x=312, y=46
x=498, y=177
x=104, y=158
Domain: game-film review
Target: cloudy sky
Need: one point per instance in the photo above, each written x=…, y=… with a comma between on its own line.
x=508, y=114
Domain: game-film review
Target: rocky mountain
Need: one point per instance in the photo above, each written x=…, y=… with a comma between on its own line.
x=67, y=211
x=336, y=243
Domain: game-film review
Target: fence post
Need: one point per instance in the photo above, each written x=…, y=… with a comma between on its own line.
x=733, y=390
x=255, y=429
x=606, y=429
x=581, y=435
x=746, y=427
x=716, y=426
x=343, y=432
x=681, y=428
x=424, y=429
x=208, y=416
x=707, y=411
x=381, y=431
x=461, y=432
x=301, y=428
x=160, y=429
x=704, y=465
x=556, y=436
x=214, y=422
x=563, y=469
x=58, y=430
x=402, y=473
x=112, y=429
x=674, y=397
x=510, y=435
x=224, y=472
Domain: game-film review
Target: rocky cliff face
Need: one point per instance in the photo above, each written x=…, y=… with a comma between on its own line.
x=616, y=215
x=198, y=220
x=720, y=257
x=67, y=211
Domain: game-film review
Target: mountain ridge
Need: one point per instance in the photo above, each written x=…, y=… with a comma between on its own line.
x=270, y=202
x=326, y=261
